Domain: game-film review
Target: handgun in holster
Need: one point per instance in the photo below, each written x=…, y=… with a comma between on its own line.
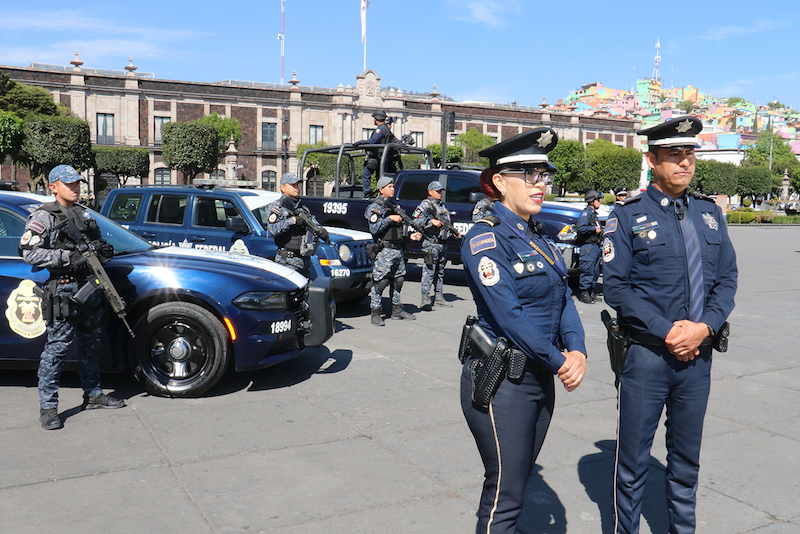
x=721, y=339
x=617, y=341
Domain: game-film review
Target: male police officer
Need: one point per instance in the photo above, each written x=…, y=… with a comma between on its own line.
x=482, y=208
x=389, y=267
x=670, y=272
x=45, y=244
x=296, y=244
x=430, y=213
x=589, y=238
x=380, y=136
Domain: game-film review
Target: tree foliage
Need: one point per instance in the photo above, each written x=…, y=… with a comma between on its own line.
x=754, y=181
x=51, y=141
x=782, y=156
x=686, y=105
x=735, y=101
x=27, y=100
x=190, y=147
x=454, y=153
x=11, y=135
x=226, y=127
x=611, y=166
x=473, y=142
x=569, y=158
x=715, y=178
x=122, y=161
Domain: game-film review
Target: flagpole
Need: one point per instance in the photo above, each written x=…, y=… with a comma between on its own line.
x=365, y=40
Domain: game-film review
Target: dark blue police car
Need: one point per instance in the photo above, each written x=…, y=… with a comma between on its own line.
x=194, y=312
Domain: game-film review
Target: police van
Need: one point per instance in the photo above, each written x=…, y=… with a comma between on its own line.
x=194, y=312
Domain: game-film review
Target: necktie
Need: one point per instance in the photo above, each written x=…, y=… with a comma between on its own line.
x=694, y=262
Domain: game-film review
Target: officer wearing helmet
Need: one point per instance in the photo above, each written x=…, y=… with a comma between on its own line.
x=589, y=238
x=382, y=135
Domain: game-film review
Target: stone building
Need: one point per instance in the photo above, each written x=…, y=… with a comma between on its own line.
x=130, y=108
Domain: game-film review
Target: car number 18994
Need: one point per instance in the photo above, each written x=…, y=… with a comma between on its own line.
x=281, y=326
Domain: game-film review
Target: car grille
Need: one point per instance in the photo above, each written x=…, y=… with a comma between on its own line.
x=360, y=255
x=294, y=299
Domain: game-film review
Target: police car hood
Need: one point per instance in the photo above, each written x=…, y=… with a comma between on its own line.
x=227, y=263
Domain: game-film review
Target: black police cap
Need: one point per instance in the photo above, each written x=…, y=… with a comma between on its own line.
x=379, y=116
x=527, y=148
x=675, y=132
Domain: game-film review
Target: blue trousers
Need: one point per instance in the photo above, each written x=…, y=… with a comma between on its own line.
x=651, y=379
x=509, y=436
x=589, y=263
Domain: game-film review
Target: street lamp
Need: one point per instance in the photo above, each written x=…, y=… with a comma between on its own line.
x=285, y=138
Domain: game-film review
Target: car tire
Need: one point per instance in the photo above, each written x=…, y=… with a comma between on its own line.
x=180, y=350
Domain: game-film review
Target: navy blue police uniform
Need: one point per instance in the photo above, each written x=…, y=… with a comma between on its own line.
x=589, y=261
x=380, y=136
x=518, y=280
x=646, y=281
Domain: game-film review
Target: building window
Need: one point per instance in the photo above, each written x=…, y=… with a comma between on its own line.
x=269, y=136
x=160, y=122
x=418, y=139
x=453, y=138
x=105, y=129
x=366, y=133
x=162, y=177
x=314, y=135
x=269, y=181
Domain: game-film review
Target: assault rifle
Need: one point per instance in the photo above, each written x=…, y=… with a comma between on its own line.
x=397, y=210
x=448, y=226
x=99, y=278
x=302, y=214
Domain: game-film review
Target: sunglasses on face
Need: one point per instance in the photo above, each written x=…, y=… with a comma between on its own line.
x=531, y=176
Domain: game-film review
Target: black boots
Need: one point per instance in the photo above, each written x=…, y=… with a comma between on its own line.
x=399, y=313
x=50, y=419
x=101, y=401
x=586, y=297
x=376, y=318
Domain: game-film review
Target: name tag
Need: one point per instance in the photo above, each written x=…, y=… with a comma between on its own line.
x=644, y=227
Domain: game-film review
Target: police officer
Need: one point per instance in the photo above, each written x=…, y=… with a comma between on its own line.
x=295, y=241
x=482, y=208
x=389, y=266
x=46, y=245
x=589, y=238
x=670, y=272
x=620, y=196
x=380, y=136
x=519, y=283
x=430, y=213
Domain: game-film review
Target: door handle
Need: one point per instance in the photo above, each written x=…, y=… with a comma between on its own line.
x=198, y=239
x=148, y=235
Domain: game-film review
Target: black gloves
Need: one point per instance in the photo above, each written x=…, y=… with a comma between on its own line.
x=76, y=261
x=323, y=234
x=105, y=249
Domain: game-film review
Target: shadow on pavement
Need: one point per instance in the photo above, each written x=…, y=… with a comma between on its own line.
x=542, y=510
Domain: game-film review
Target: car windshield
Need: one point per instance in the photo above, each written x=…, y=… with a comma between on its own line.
x=123, y=240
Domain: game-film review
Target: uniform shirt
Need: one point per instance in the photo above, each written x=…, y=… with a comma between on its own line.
x=645, y=277
x=380, y=225
x=39, y=243
x=428, y=210
x=482, y=208
x=378, y=135
x=519, y=295
x=587, y=227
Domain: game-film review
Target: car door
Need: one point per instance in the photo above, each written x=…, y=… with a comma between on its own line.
x=207, y=229
x=163, y=218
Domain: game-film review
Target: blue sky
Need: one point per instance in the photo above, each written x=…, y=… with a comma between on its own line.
x=488, y=50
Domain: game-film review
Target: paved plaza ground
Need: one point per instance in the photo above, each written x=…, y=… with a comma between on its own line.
x=366, y=435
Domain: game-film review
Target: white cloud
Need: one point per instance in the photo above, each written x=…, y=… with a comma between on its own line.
x=492, y=13
x=726, y=32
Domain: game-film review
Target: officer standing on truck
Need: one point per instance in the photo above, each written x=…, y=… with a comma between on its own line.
x=589, y=238
x=389, y=266
x=670, y=273
x=431, y=212
x=46, y=245
x=295, y=241
x=373, y=160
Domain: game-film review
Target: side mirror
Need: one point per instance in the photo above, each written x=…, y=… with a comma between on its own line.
x=236, y=224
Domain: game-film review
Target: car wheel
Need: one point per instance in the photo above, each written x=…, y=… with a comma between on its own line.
x=180, y=350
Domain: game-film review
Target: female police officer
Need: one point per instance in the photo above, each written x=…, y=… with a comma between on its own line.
x=518, y=280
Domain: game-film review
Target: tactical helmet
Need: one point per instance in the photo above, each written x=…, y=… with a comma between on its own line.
x=592, y=195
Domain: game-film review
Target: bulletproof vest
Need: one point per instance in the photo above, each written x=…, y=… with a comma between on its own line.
x=590, y=239
x=292, y=239
x=393, y=234
x=86, y=225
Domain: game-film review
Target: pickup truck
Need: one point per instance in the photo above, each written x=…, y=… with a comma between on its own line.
x=235, y=220
x=346, y=205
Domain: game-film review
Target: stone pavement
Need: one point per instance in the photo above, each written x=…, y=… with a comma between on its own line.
x=366, y=435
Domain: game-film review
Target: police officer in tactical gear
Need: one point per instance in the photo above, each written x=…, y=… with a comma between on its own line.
x=482, y=208
x=389, y=267
x=670, y=273
x=46, y=245
x=295, y=241
x=382, y=135
x=589, y=238
x=431, y=212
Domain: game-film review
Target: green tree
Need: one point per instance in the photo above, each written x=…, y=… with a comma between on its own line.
x=473, y=142
x=775, y=105
x=715, y=177
x=754, y=181
x=735, y=101
x=569, y=158
x=782, y=156
x=611, y=166
x=51, y=141
x=686, y=105
x=11, y=135
x=190, y=147
x=122, y=161
x=454, y=153
x=27, y=100
x=226, y=127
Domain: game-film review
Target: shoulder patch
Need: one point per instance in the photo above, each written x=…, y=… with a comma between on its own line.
x=487, y=272
x=608, y=250
x=611, y=226
x=373, y=218
x=492, y=220
x=482, y=242
x=272, y=217
x=36, y=227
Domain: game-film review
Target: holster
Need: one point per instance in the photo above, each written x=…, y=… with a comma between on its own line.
x=429, y=259
x=721, y=339
x=373, y=249
x=487, y=373
x=617, y=341
x=57, y=307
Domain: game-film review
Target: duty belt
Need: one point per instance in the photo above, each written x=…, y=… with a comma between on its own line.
x=391, y=244
x=647, y=339
x=286, y=253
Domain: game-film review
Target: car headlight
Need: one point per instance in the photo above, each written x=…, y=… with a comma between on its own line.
x=568, y=234
x=261, y=300
x=345, y=253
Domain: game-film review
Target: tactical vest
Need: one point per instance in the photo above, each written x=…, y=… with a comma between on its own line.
x=291, y=240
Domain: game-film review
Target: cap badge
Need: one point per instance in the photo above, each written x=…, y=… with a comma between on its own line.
x=545, y=138
x=519, y=225
x=684, y=126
